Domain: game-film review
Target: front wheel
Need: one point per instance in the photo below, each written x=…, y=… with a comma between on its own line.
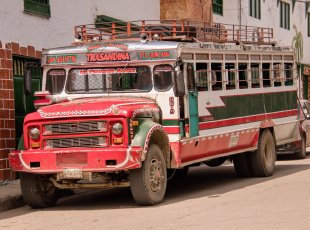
x=148, y=183
x=38, y=191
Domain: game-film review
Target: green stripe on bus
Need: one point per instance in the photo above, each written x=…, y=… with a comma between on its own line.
x=247, y=105
x=170, y=122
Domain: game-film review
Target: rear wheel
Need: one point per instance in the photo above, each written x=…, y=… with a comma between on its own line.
x=38, y=191
x=241, y=165
x=148, y=183
x=262, y=160
x=301, y=154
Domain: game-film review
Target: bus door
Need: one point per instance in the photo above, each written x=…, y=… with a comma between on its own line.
x=192, y=101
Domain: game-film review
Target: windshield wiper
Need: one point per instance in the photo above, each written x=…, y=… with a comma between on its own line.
x=119, y=77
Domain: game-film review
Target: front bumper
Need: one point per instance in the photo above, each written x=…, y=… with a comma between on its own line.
x=88, y=160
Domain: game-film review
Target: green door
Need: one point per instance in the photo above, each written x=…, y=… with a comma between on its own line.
x=192, y=102
x=24, y=104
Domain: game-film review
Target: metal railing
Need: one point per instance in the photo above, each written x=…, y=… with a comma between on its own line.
x=183, y=30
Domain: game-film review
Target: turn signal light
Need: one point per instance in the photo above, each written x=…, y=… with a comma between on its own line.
x=118, y=140
x=135, y=123
x=35, y=145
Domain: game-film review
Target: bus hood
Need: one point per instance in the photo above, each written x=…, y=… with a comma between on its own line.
x=94, y=107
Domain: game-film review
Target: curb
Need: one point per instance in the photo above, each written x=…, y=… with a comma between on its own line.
x=10, y=195
x=11, y=202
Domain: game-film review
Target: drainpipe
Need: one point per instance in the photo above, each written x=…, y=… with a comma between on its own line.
x=239, y=12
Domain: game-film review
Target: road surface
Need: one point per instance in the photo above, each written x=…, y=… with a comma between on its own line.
x=209, y=198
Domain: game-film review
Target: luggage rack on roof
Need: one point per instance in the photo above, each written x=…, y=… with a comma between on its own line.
x=173, y=30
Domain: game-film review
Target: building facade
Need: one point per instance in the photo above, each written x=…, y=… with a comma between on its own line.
x=28, y=26
x=289, y=19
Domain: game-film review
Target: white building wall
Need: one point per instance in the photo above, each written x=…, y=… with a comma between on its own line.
x=17, y=26
x=270, y=17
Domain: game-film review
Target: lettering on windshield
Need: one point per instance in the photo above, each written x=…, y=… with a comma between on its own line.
x=107, y=71
x=107, y=57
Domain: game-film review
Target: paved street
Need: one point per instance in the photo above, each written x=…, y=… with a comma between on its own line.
x=209, y=198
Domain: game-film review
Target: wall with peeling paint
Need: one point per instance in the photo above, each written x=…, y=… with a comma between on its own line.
x=25, y=29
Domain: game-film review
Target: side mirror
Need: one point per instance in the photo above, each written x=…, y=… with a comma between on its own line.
x=27, y=80
x=179, y=85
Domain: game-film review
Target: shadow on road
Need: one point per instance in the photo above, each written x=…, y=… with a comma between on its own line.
x=201, y=181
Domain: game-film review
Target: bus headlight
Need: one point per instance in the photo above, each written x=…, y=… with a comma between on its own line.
x=34, y=133
x=117, y=128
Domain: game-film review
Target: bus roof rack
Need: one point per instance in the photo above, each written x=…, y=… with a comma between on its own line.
x=173, y=30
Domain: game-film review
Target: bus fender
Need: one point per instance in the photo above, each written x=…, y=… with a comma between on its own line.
x=151, y=132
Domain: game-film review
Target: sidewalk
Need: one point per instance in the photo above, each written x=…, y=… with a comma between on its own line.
x=10, y=195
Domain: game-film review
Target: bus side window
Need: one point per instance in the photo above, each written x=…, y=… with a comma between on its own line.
x=190, y=77
x=255, y=75
x=243, y=76
x=202, y=76
x=55, y=81
x=266, y=75
x=216, y=69
x=162, y=77
x=231, y=76
x=288, y=74
x=277, y=75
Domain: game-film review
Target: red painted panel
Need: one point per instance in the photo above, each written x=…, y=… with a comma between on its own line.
x=218, y=144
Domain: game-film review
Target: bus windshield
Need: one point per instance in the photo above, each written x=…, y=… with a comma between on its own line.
x=101, y=80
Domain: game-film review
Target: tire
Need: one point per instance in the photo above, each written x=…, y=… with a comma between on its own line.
x=262, y=160
x=148, y=183
x=38, y=191
x=160, y=30
x=301, y=154
x=242, y=165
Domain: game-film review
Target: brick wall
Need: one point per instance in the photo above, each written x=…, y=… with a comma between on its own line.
x=7, y=105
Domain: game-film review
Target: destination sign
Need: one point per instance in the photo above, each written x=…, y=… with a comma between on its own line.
x=61, y=59
x=154, y=55
x=108, y=57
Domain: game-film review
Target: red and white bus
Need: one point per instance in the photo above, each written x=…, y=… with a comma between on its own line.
x=128, y=104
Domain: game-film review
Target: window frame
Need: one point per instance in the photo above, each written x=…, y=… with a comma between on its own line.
x=217, y=6
x=255, y=8
x=285, y=15
x=38, y=7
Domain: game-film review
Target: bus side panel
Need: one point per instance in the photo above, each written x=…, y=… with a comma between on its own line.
x=221, y=144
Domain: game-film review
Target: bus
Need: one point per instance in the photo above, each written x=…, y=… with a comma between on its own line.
x=129, y=104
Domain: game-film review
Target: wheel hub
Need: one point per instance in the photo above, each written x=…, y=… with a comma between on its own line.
x=156, y=175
